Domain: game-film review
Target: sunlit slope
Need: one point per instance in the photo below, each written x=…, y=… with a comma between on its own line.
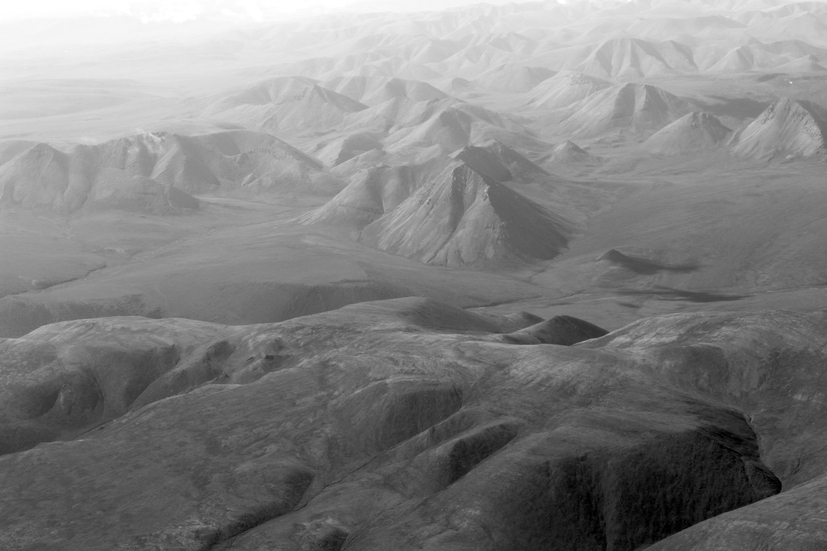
x=466, y=216
x=787, y=129
x=153, y=172
x=692, y=133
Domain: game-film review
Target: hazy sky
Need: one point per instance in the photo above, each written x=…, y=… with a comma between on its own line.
x=15, y=9
x=181, y=10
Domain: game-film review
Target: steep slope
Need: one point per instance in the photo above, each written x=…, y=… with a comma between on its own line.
x=562, y=330
x=153, y=172
x=284, y=104
x=495, y=158
x=378, y=190
x=691, y=133
x=569, y=152
x=447, y=129
x=746, y=58
x=375, y=191
x=464, y=217
x=342, y=149
x=639, y=108
x=660, y=26
x=786, y=129
x=631, y=58
x=565, y=88
x=447, y=126
x=375, y=90
x=45, y=178
x=805, y=64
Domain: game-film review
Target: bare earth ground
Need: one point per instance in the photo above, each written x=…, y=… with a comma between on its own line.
x=322, y=284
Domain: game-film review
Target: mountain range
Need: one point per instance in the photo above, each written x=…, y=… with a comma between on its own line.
x=535, y=275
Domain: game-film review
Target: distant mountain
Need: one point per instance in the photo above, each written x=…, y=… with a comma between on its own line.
x=375, y=191
x=45, y=178
x=464, y=217
x=342, y=149
x=569, y=152
x=285, y=104
x=631, y=58
x=565, y=88
x=747, y=58
x=638, y=108
x=376, y=89
x=154, y=172
x=691, y=133
x=786, y=129
x=803, y=65
x=503, y=160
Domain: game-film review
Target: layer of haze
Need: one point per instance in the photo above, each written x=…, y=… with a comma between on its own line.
x=226, y=10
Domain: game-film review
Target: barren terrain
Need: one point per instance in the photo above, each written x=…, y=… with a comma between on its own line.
x=501, y=276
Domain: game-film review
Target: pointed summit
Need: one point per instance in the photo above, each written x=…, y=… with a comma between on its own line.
x=565, y=88
x=285, y=103
x=787, y=129
x=463, y=218
x=691, y=133
x=640, y=108
x=569, y=152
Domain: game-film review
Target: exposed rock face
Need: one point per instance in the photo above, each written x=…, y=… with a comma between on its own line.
x=465, y=217
x=786, y=129
x=638, y=108
x=373, y=192
x=312, y=430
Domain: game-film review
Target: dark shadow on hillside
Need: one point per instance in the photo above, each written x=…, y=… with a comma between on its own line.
x=768, y=76
x=644, y=265
x=668, y=293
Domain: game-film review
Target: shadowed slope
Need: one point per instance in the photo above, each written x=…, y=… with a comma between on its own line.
x=639, y=108
x=509, y=163
x=629, y=58
x=786, y=129
x=45, y=178
x=375, y=90
x=319, y=426
x=465, y=217
x=285, y=104
x=154, y=172
x=565, y=88
x=570, y=152
x=375, y=191
x=562, y=330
